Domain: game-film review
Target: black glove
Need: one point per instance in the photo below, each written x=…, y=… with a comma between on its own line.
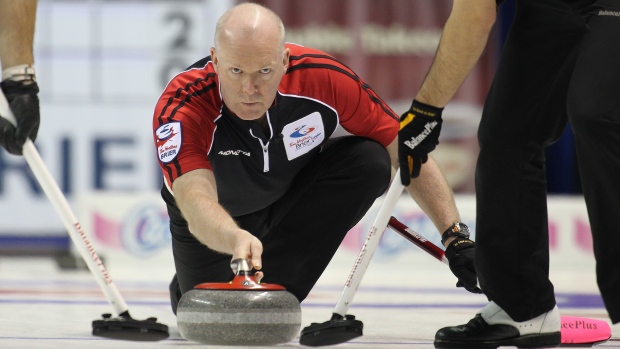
x=24, y=102
x=418, y=136
x=460, y=254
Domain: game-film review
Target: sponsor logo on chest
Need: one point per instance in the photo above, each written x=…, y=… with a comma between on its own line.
x=303, y=135
x=233, y=152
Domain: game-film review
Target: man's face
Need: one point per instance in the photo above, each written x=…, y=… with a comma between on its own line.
x=249, y=75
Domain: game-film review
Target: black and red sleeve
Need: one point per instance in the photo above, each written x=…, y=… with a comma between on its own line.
x=183, y=122
x=361, y=111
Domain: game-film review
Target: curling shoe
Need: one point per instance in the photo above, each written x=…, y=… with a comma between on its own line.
x=492, y=327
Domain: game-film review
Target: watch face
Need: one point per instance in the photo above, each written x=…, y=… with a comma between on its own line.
x=457, y=229
x=461, y=228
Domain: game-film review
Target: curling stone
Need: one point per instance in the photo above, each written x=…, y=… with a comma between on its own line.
x=242, y=312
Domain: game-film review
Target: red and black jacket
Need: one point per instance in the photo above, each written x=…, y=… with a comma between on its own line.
x=193, y=128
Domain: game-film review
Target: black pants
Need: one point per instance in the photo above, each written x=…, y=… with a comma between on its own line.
x=561, y=61
x=300, y=232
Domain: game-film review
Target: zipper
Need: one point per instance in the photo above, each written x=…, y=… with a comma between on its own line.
x=265, y=146
x=265, y=152
x=265, y=155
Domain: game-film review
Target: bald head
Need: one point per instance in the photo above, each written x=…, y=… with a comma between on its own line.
x=250, y=59
x=248, y=22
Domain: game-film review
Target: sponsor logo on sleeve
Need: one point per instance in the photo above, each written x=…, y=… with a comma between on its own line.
x=303, y=135
x=609, y=13
x=168, y=141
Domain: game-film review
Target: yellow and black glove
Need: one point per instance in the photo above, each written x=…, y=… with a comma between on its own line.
x=418, y=135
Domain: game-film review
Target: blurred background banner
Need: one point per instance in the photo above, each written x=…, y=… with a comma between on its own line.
x=102, y=64
x=132, y=233
x=389, y=43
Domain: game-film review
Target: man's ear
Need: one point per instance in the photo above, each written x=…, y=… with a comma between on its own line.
x=287, y=55
x=214, y=58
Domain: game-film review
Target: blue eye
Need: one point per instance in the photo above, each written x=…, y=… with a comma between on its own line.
x=235, y=70
x=265, y=70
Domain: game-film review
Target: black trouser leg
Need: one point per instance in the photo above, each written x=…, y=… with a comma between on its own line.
x=594, y=112
x=524, y=112
x=302, y=230
x=310, y=222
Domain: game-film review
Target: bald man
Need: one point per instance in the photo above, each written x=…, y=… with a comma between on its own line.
x=253, y=168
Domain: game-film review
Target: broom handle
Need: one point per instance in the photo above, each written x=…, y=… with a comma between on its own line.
x=370, y=245
x=418, y=240
x=77, y=234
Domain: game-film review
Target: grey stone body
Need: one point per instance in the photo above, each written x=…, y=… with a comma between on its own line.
x=239, y=317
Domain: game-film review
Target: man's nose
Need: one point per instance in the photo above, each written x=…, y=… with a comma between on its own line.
x=249, y=85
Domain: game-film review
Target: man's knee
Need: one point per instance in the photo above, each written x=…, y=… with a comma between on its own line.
x=379, y=168
x=373, y=163
x=175, y=293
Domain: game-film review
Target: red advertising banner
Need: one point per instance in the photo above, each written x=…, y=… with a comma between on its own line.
x=389, y=43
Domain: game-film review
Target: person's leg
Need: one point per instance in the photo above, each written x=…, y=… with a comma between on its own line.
x=524, y=112
x=594, y=112
x=325, y=201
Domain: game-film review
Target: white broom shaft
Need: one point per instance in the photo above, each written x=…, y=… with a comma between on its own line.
x=370, y=245
x=78, y=236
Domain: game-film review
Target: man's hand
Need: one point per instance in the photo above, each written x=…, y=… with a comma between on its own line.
x=460, y=254
x=418, y=136
x=250, y=248
x=24, y=102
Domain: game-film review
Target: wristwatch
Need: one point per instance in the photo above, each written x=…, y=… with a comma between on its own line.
x=456, y=230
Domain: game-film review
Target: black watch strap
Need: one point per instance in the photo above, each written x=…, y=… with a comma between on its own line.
x=456, y=230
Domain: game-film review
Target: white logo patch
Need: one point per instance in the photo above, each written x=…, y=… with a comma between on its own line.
x=303, y=135
x=168, y=141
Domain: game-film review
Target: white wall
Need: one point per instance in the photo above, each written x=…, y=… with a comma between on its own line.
x=101, y=66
